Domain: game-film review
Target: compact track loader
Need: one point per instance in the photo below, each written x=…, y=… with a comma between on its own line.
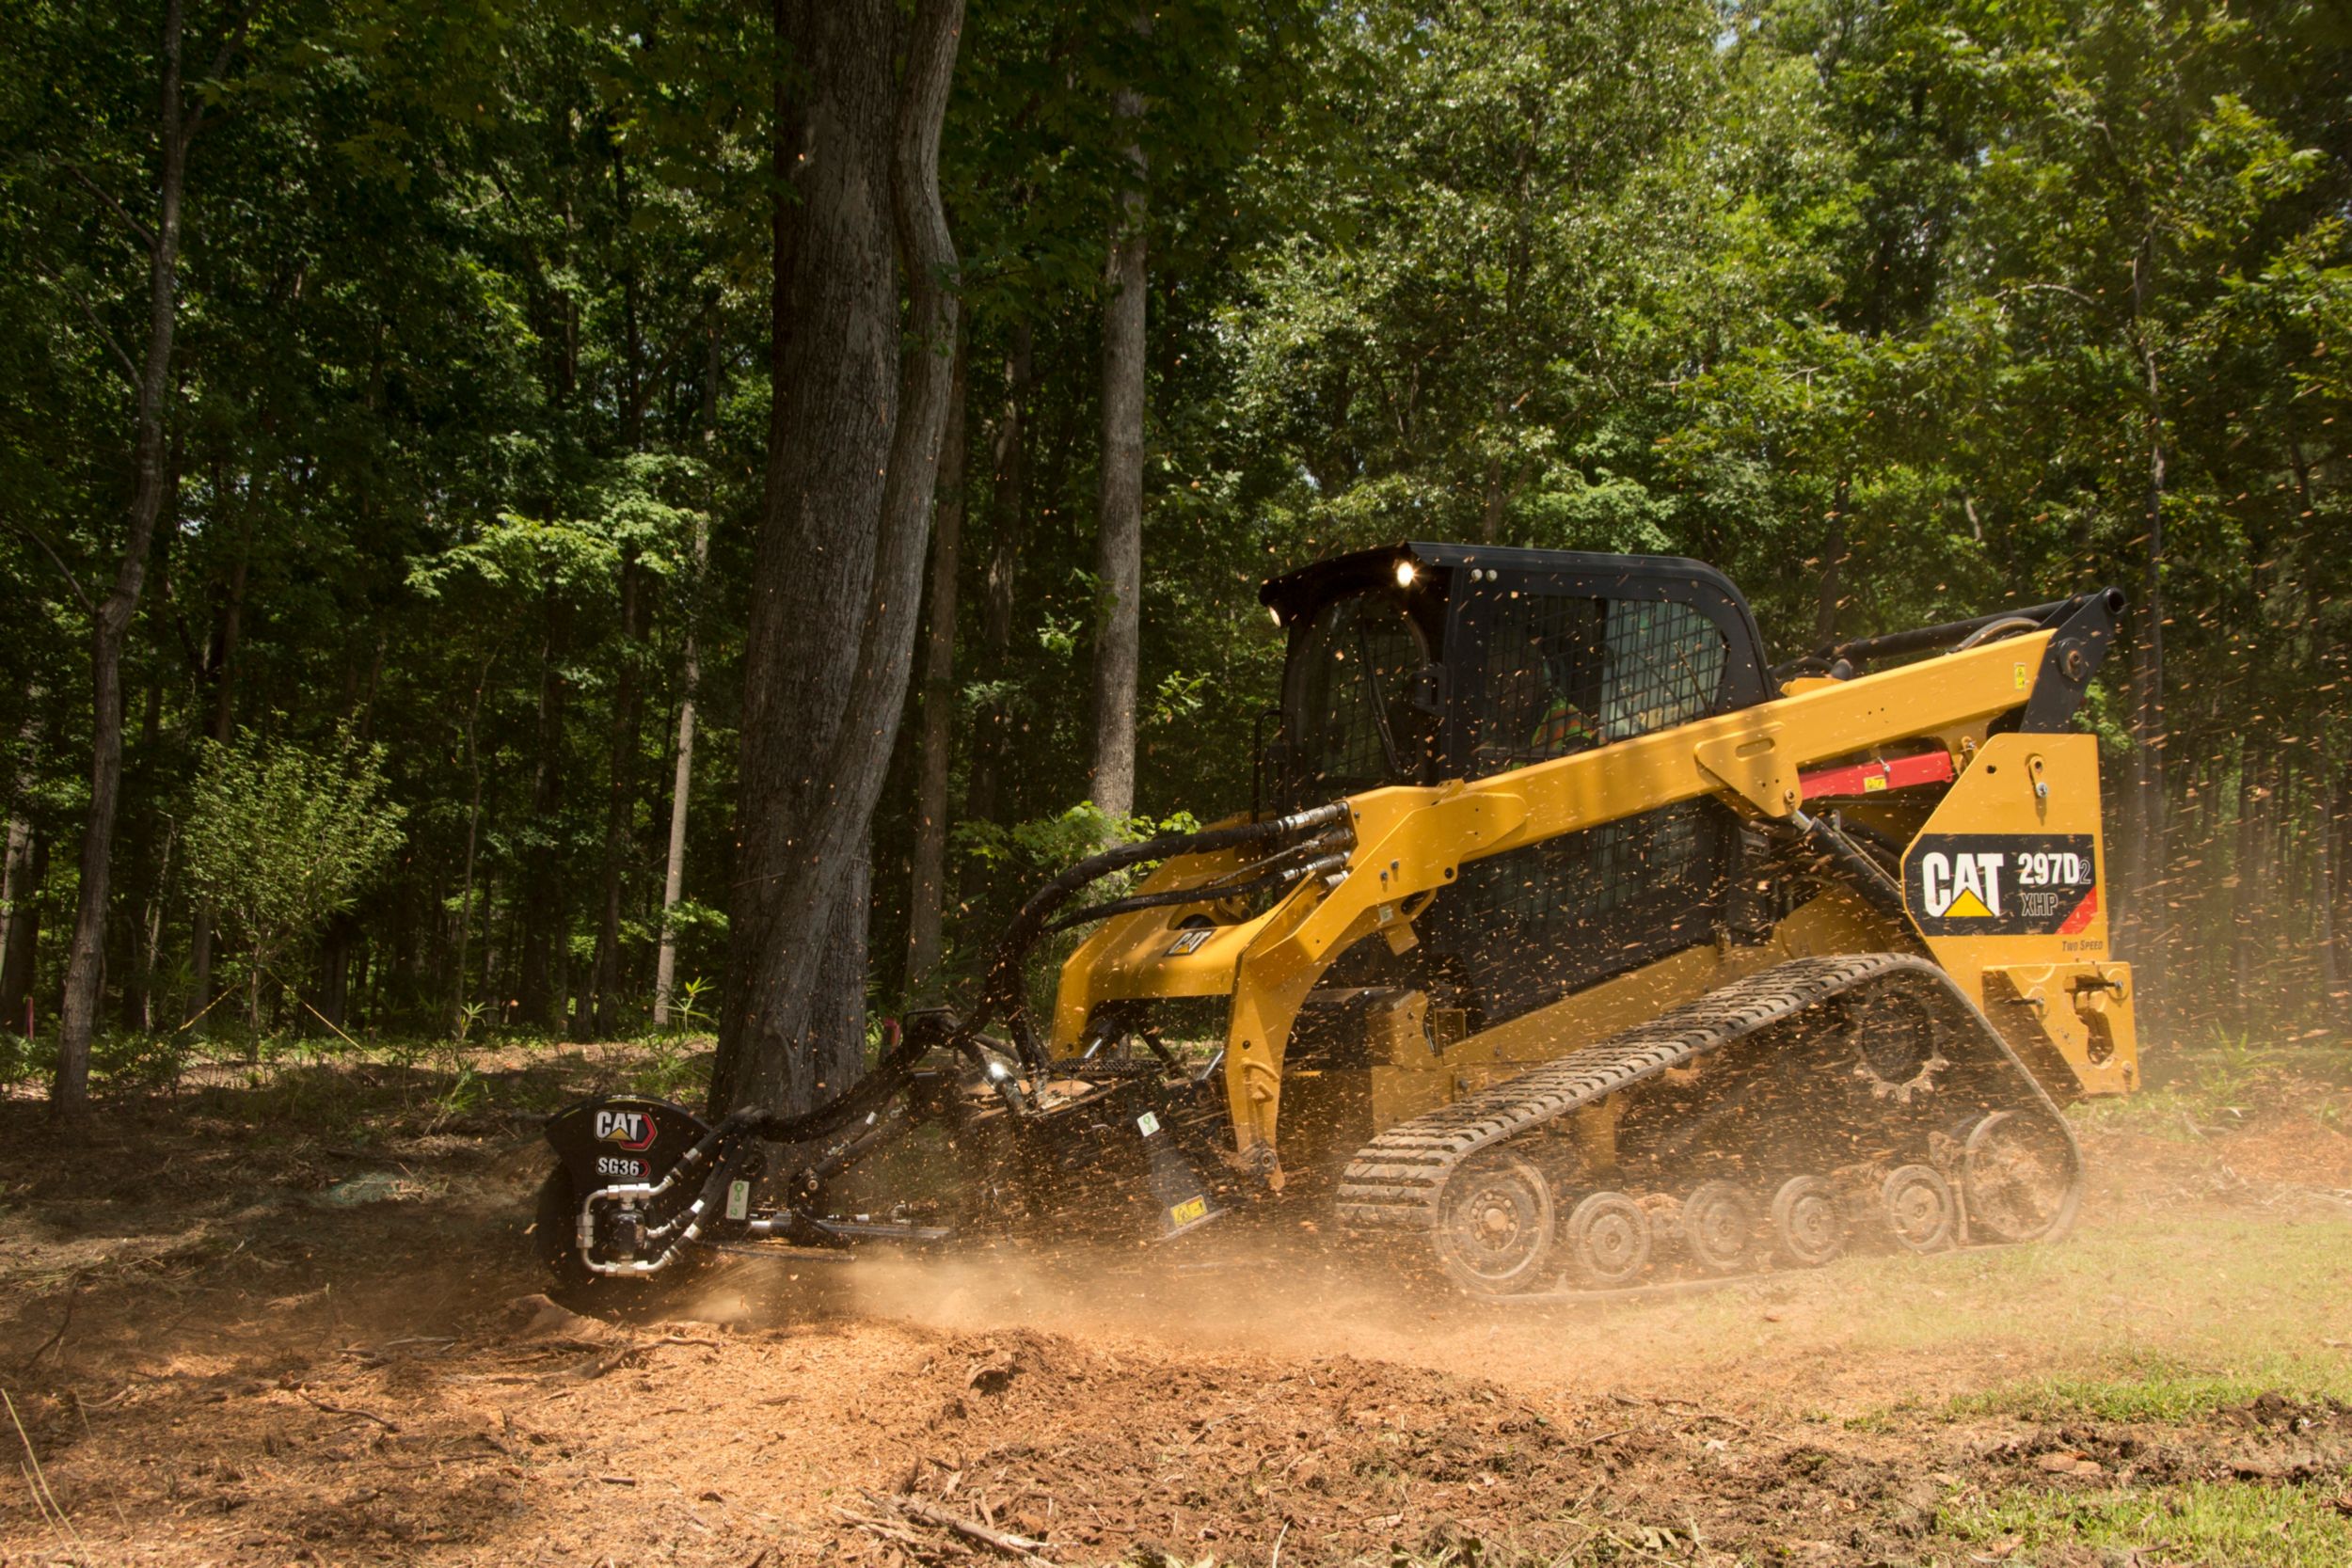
x=1568, y=945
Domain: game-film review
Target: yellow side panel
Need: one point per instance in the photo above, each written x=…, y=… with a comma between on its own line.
x=2007, y=883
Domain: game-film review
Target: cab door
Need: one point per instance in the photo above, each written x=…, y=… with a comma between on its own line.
x=1552, y=664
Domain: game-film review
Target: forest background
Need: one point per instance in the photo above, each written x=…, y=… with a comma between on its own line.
x=389, y=446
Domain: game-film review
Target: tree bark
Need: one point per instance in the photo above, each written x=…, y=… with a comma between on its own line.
x=925, y=913
x=110, y=618
x=1119, y=537
x=853, y=463
x=1008, y=512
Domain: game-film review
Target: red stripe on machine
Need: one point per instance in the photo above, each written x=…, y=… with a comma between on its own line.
x=1868, y=778
x=2083, y=912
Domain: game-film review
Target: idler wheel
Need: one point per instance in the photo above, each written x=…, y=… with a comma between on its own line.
x=2016, y=1172
x=1719, y=1226
x=1495, y=1227
x=1808, y=1222
x=1920, y=1207
x=1608, y=1241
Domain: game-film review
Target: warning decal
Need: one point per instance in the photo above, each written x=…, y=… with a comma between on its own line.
x=2001, y=884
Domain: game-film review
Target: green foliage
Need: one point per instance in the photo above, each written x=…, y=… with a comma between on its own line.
x=1862, y=304
x=280, y=837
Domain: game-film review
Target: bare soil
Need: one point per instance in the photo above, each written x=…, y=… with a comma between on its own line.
x=234, y=1329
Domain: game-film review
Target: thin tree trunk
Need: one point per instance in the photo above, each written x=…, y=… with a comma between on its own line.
x=2146, y=895
x=846, y=513
x=681, y=786
x=110, y=618
x=2323, y=895
x=465, y=912
x=926, y=911
x=2248, y=894
x=618, y=809
x=1119, y=536
x=1832, y=569
x=544, y=969
x=20, y=878
x=1008, y=511
x=223, y=665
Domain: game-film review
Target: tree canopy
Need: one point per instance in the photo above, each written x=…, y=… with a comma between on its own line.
x=460, y=438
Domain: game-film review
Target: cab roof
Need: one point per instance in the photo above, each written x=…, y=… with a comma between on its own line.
x=1297, y=592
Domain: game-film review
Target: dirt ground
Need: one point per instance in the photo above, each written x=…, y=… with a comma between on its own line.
x=300, y=1325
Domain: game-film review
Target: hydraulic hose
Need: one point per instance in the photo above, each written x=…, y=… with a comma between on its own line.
x=1000, y=987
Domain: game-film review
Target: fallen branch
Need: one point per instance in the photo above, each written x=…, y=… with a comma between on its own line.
x=626, y=1354
x=1596, y=1442
x=1714, y=1416
x=384, y=1421
x=74, y=1295
x=1019, y=1547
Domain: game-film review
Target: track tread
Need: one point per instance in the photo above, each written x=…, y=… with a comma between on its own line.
x=1394, y=1182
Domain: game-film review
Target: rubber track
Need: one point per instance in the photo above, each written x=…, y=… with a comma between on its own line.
x=1394, y=1181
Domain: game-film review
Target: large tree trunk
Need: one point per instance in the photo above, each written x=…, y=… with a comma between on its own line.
x=924, y=912
x=1119, y=538
x=110, y=618
x=853, y=463
x=1008, y=512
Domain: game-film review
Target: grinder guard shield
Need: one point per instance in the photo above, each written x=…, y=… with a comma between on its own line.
x=622, y=1139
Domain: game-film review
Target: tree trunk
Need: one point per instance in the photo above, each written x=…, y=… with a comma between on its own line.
x=2149, y=860
x=540, y=993
x=618, y=809
x=110, y=618
x=1008, y=512
x=21, y=873
x=1119, y=537
x=852, y=465
x=27, y=863
x=465, y=911
x=2247, y=897
x=1832, y=569
x=222, y=666
x=924, y=912
x=674, y=875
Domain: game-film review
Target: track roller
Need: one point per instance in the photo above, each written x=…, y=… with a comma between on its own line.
x=1495, y=1227
x=1719, y=1226
x=1921, y=1213
x=1808, y=1221
x=1608, y=1241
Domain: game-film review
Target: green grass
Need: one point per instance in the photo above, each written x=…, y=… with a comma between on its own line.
x=2165, y=1391
x=2292, y=1526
